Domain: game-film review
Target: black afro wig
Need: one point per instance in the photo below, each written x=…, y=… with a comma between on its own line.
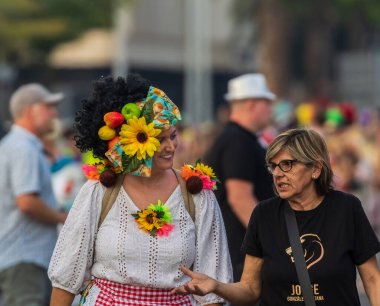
x=109, y=95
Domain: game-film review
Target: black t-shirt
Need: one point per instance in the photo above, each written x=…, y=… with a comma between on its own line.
x=336, y=237
x=238, y=154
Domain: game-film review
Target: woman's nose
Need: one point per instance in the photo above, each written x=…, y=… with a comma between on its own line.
x=277, y=171
x=169, y=146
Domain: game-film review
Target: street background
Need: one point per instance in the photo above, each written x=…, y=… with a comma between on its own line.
x=322, y=59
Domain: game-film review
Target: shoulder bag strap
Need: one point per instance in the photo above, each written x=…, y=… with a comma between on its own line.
x=109, y=198
x=187, y=197
x=302, y=273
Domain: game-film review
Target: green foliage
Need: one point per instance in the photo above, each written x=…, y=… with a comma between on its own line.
x=29, y=29
x=147, y=112
x=130, y=163
x=341, y=10
x=373, y=11
x=81, y=14
x=242, y=8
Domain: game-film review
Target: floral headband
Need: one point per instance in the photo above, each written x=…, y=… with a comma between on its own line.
x=131, y=136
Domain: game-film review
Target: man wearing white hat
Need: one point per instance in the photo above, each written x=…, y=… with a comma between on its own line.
x=238, y=159
x=28, y=214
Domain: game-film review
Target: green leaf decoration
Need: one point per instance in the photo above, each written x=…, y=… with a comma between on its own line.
x=160, y=214
x=130, y=163
x=153, y=232
x=147, y=112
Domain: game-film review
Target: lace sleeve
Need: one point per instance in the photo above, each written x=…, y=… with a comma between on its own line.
x=212, y=255
x=73, y=254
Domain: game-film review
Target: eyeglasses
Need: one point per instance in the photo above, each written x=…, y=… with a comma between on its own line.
x=284, y=165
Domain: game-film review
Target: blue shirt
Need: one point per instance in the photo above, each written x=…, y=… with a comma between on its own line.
x=24, y=170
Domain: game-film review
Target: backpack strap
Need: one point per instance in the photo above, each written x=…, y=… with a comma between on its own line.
x=187, y=197
x=109, y=198
x=111, y=193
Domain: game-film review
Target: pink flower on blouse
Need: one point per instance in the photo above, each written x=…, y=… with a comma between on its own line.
x=165, y=230
x=207, y=182
x=90, y=171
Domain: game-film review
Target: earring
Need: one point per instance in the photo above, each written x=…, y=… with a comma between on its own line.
x=314, y=177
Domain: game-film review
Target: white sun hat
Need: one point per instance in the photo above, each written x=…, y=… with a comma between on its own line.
x=251, y=85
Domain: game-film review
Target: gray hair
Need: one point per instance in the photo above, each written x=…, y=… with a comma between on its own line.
x=308, y=147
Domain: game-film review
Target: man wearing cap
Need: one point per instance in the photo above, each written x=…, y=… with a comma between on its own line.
x=238, y=159
x=28, y=214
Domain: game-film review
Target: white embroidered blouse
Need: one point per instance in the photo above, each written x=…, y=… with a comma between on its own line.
x=121, y=252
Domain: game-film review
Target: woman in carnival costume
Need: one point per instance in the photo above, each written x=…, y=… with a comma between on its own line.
x=135, y=256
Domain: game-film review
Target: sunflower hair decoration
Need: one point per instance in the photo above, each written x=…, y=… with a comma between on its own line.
x=155, y=219
x=198, y=177
x=130, y=133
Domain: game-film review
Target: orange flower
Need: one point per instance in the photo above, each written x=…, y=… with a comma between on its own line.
x=187, y=171
x=112, y=142
x=199, y=177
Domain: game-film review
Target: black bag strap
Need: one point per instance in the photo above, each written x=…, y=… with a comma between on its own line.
x=299, y=259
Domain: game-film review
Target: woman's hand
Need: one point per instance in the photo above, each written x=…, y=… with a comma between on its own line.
x=245, y=292
x=200, y=284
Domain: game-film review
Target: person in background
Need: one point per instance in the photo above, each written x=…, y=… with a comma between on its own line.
x=28, y=211
x=335, y=234
x=134, y=256
x=67, y=174
x=238, y=158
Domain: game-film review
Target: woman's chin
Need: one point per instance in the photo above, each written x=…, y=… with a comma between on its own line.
x=164, y=164
x=282, y=194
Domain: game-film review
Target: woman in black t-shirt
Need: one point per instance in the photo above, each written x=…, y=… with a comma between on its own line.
x=335, y=235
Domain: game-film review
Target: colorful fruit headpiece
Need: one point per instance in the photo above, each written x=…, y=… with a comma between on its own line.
x=131, y=136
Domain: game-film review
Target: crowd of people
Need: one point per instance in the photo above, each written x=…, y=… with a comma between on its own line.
x=213, y=232
x=352, y=135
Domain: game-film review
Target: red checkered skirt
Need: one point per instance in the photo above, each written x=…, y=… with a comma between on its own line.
x=115, y=294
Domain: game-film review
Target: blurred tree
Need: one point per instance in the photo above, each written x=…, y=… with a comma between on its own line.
x=299, y=40
x=29, y=29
